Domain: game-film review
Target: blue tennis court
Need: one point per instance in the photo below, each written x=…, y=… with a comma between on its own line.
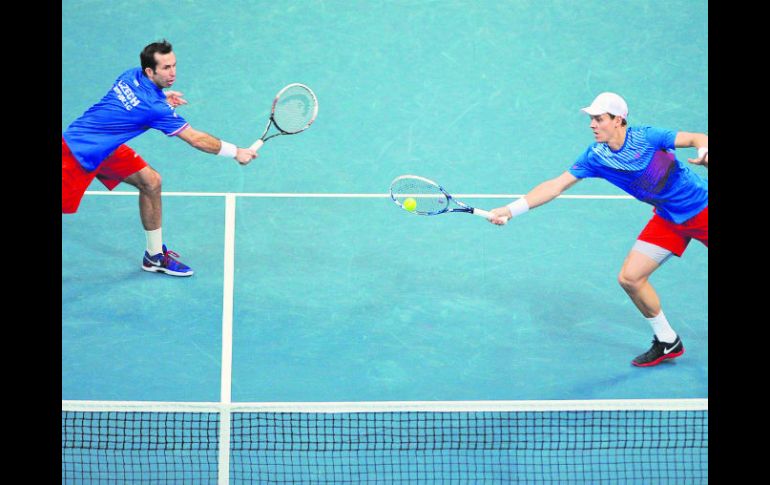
x=332, y=294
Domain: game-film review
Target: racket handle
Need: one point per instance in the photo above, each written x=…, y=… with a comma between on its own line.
x=483, y=213
x=257, y=145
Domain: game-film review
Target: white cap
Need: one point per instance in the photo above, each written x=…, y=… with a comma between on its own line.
x=608, y=103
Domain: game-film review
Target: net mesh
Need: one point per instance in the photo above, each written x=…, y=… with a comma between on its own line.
x=134, y=447
x=294, y=109
x=619, y=446
x=427, y=197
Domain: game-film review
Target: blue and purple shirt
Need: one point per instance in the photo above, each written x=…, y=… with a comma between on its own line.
x=133, y=105
x=646, y=168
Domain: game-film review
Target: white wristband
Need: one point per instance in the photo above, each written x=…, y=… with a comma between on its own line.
x=702, y=151
x=228, y=150
x=518, y=207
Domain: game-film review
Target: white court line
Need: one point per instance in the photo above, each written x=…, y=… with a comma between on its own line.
x=299, y=195
x=227, y=341
x=227, y=299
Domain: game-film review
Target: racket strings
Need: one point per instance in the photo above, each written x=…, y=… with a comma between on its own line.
x=429, y=198
x=294, y=110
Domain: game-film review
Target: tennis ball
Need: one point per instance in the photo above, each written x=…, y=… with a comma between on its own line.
x=410, y=204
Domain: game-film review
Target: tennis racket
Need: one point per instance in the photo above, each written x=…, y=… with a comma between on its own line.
x=295, y=107
x=431, y=199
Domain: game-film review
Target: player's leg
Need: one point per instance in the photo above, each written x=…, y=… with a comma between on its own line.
x=643, y=260
x=125, y=165
x=658, y=241
x=635, y=274
x=148, y=182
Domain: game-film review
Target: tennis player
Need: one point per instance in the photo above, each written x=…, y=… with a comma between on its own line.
x=93, y=146
x=641, y=161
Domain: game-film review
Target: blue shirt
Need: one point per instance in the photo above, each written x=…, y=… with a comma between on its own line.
x=646, y=168
x=133, y=105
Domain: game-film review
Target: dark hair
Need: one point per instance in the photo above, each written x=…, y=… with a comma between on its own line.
x=612, y=117
x=147, y=56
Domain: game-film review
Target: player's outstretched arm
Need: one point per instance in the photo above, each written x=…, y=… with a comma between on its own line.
x=210, y=144
x=541, y=194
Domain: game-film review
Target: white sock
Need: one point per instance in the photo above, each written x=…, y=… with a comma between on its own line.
x=154, y=242
x=662, y=329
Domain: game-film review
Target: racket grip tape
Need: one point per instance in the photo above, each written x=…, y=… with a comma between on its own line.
x=257, y=145
x=482, y=213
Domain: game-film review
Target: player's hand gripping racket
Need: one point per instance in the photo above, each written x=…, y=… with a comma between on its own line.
x=425, y=197
x=295, y=107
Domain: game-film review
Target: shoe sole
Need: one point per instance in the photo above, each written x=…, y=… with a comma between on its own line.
x=672, y=355
x=157, y=269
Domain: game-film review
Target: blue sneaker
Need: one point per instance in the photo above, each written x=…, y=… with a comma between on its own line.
x=165, y=262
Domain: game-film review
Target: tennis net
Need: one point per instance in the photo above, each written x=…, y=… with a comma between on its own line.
x=615, y=441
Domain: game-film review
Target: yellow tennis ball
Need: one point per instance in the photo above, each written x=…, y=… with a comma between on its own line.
x=410, y=204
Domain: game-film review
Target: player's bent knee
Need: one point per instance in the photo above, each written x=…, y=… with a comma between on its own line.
x=150, y=181
x=630, y=281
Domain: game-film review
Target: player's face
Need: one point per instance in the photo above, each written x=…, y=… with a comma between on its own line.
x=605, y=127
x=165, y=70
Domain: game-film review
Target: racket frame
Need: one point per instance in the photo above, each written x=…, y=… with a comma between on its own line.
x=271, y=121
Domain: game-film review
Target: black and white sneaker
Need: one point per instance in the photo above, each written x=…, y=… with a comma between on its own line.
x=659, y=352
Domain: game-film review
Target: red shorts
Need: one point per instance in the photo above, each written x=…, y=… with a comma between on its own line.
x=121, y=163
x=676, y=237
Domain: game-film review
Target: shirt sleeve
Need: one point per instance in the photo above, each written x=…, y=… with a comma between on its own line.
x=168, y=121
x=660, y=138
x=582, y=167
